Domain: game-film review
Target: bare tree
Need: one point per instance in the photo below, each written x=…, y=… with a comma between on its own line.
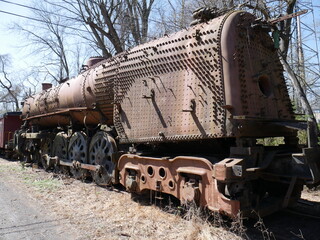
x=180, y=15
x=269, y=9
x=101, y=17
x=48, y=38
x=112, y=24
x=10, y=93
x=139, y=13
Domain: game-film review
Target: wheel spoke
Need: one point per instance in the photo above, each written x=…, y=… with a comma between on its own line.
x=78, y=147
x=101, y=149
x=78, y=152
x=104, y=144
x=60, y=145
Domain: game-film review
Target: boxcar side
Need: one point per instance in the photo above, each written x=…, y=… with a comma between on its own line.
x=9, y=123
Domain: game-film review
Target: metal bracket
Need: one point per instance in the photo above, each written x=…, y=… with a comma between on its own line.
x=151, y=95
x=192, y=106
x=289, y=192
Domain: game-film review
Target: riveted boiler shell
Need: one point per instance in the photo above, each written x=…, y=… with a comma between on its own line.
x=255, y=88
x=73, y=100
x=193, y=84
x=171, y=89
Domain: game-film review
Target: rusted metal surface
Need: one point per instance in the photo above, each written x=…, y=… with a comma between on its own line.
x=217, y=86
x=82, y=92
x=52, y=161
x=79, y=115
x=253, y=76
x=186, y=86
x=171, y=89
x=46, y=86
x=191, y=84
x=9, y=123
x=190, y=179
x=93, y=61
x=292, y=15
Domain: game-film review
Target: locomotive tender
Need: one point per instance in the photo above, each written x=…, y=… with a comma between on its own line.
x=179, y=115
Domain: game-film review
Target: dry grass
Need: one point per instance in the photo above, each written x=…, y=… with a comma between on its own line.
x=265, y=232
x=311, y=194
x=100, y=213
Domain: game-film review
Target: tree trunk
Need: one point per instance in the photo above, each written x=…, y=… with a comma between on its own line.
x=297, y=86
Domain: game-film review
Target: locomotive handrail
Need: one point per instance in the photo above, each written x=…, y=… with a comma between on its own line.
x=245, y=117
x=61, y=112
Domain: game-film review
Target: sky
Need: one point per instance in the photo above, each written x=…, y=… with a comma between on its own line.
x=9, y=40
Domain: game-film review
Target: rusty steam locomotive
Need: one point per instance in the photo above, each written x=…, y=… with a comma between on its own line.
x=179, y=115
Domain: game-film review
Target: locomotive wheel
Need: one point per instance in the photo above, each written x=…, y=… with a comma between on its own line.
x=77, y=151
x=46, y=147
x=36, y=158
x=59, y=149
x=32, y=154
x=102, y=146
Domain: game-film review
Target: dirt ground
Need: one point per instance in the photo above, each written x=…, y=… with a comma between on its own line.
x=39, y=205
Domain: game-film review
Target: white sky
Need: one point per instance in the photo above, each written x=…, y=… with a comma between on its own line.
x=9, y=41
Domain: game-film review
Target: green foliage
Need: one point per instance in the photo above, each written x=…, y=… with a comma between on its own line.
x=48, y=184
x=276, y=141
x=271, y=141
x=303, y=138
x=42, y=184
x=8, y=168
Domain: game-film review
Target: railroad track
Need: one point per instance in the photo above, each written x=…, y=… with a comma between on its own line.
x=306, y=208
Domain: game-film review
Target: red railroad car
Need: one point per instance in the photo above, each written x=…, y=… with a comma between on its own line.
x=9, y=123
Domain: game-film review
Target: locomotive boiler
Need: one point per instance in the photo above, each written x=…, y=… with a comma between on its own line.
x=180, y=116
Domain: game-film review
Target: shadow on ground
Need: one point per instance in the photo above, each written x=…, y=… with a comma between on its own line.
x=288, y=224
